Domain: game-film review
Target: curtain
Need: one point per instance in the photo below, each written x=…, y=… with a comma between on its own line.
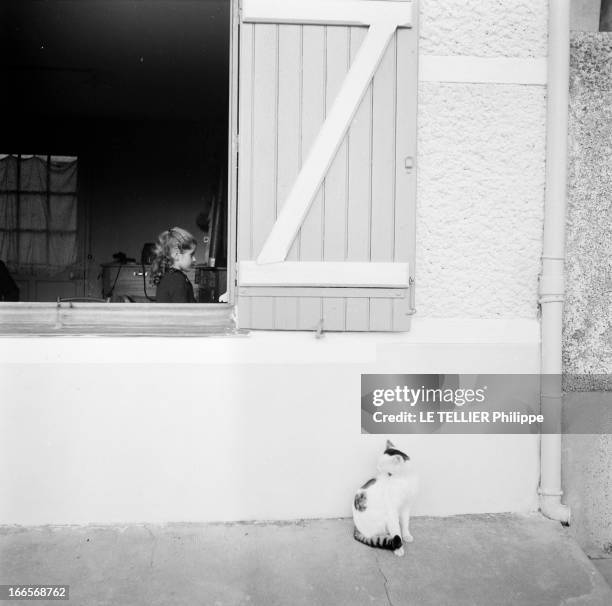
x=38, y=213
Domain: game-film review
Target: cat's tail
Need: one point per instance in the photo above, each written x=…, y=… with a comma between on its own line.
x=383, y=542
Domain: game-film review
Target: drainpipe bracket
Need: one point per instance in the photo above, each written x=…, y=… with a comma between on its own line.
x=552, y=285
x=543, y=492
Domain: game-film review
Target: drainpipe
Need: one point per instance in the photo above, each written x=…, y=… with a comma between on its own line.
x=551, y=279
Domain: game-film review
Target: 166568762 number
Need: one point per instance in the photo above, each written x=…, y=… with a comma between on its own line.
x=34, y=592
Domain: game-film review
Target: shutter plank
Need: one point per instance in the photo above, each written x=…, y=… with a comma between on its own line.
x=359, y=181
x=263, y=313
x=383, y=178
x=383, y=159
x=264, y=169
x=313, y=115
x=335, y=186
x=357, y=314
x=289, y=133
x=405, y=189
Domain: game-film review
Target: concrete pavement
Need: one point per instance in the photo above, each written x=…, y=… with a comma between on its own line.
x=490, y=560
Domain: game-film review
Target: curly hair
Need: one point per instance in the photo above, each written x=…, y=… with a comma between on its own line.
x=167, y=242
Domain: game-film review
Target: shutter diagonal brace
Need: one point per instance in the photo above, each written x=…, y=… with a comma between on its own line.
x=326, y=144
x=383, y=18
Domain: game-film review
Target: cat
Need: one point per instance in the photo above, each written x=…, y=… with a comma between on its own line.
x=381, y=508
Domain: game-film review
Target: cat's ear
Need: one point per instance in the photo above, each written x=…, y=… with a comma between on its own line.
x=389, y=445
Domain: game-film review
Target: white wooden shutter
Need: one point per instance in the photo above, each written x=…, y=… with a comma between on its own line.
x=326, y=184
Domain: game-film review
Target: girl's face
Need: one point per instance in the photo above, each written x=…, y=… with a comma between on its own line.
x=184, y=260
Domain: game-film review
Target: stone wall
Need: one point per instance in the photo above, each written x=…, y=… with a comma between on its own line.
x=587, y=331
x=587, y=334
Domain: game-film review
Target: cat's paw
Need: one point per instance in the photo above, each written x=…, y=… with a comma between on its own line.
x=399, y=552
x=408, y=538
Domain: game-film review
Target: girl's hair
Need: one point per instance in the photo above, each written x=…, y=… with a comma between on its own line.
x=167, y=242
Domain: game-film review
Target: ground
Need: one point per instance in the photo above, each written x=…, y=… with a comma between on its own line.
x=490, y=560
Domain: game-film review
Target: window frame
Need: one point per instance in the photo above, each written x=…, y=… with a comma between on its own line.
x=77, y=318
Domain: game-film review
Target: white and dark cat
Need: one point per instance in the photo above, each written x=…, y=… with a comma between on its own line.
x=381, y=508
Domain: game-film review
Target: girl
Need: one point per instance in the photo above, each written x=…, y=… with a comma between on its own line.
x=174, y=254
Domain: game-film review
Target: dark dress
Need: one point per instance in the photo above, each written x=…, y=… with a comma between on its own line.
x=174, y=287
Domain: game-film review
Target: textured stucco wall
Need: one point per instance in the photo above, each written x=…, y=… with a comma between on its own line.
x=587, y=335
x=484, y=28
x=481, y=160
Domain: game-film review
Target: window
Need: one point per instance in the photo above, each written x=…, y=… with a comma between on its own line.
x=322, y=200
x=139, y=93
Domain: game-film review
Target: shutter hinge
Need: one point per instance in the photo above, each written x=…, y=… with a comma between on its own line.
x=411, y=281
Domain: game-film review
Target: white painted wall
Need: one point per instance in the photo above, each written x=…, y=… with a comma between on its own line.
x=259, y=427
x=267, y=426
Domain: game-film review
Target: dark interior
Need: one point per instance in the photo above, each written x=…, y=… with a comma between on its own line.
x=138, y=91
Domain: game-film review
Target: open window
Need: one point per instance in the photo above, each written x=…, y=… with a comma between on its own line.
x=313, y=192
x=139, y=93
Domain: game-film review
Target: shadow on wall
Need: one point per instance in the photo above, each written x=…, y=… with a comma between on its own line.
x=591, y=15
x=605, y=20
